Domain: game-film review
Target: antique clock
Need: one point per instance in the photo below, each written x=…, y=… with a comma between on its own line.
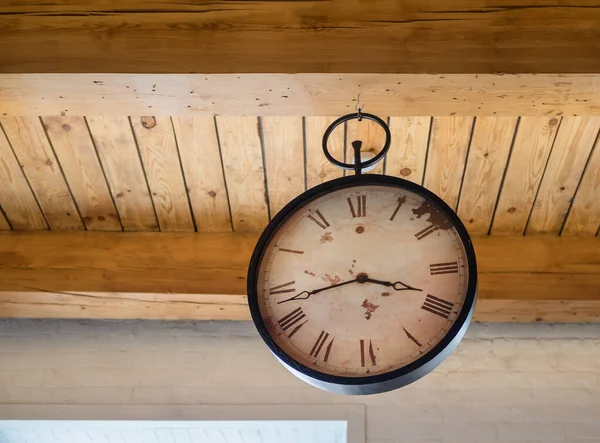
x=365, y=283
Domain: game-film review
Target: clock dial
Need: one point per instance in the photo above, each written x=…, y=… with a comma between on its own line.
x=362, y=281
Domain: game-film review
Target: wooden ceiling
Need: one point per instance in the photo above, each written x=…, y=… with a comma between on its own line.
x=171, y=132
x=503, y=175
x=511, y=179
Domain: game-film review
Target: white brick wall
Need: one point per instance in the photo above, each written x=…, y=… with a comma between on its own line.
x=505, y=383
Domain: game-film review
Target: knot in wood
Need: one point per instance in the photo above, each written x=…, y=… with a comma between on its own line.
x=148, y=122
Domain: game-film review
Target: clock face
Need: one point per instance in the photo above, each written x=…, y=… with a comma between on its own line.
x=362, y=281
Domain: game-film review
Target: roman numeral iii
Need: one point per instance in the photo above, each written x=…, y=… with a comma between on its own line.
x=437, y=306
x=318, y=346
x=361, y=206
x=443, y=268
x=293, y=319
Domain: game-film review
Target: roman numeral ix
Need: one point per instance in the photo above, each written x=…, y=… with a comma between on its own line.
x=437, y=306
x=316, y=349
x=443, y=268
x=361, y=206
x=291, y=320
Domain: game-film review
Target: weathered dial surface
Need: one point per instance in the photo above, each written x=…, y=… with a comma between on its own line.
x=362, y=281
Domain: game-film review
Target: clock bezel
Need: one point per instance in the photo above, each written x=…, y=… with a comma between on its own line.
x=379, y=382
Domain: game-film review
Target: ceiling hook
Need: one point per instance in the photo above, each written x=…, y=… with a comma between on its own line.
x=358, y=108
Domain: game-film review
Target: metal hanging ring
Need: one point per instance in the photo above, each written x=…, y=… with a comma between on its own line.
x=358, y=116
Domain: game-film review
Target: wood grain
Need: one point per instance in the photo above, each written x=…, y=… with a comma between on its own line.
x=17, y=199
x=538, y=311
x=244, y=172
x=584, y=217
x=531, y=149
x=318, y=168
x=310, y=36
x=75, y=152
x=299, y=94
x=373, y=137
x=574, y=142
x=490, y=146
x=158, y=151
x=43, y=171
x=4, y=226
x=410, y=139
x=203, y=171
x=120, y=159
x=283, y=142
x=202, y=276
x=448, y=148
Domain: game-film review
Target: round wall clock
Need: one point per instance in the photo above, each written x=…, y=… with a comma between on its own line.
x=365, y=283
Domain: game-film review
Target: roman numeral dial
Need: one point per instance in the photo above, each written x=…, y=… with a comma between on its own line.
x=359, y=278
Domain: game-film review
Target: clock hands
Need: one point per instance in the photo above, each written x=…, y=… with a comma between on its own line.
x=360, y=278
x=306, y=294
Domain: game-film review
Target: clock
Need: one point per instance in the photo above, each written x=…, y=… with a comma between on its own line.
x=363, y=284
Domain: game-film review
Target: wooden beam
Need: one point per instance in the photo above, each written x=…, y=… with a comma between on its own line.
x=380, y=36
x=299, y=94
x=203, y=276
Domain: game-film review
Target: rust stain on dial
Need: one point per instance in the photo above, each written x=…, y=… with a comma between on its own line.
x=370, y=308
x=437, y=218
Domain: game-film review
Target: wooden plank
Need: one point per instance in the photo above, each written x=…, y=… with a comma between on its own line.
x=131, y=306
x=547, y=311
x=312, y=36
x=406, y=157
x=373, y=137
x=283, y=141
x=203, y=171
x=202, y=276
x=75, y=152
x=121, y=162
x=318, y=168
x=584, y=216
x=43, y=171
x=532, y=146
x=574, y=142
x=158, y=151
x=299, y=94
x=16, y=198
x=490, y=146
x=447, y=154
x=244, y=172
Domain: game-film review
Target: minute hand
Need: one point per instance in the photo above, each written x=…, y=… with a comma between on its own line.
x=398, y=286
x=306, y=294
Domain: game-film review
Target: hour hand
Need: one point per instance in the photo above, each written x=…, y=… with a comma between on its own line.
x=398, y=286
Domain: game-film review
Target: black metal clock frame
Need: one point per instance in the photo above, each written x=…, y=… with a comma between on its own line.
x=389, y=380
